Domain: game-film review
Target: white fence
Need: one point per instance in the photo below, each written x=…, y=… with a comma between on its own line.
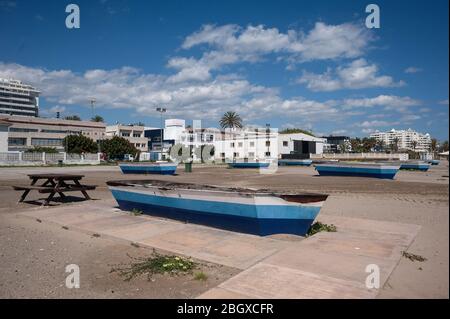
x=31, y=158
x=356, y=156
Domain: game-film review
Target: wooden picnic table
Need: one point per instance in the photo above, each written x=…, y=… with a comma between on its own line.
x=55, y=183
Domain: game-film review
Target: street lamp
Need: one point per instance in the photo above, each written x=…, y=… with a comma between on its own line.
x=161, y=110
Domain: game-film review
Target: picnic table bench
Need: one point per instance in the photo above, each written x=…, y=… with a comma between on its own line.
x=54, y=183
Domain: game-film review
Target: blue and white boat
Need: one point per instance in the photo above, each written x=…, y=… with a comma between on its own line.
x=257, y=164
x=163, y=168
x=415, y=165
x=243, y=210
x=434, y=162
x=294, y=162
x=377, y=170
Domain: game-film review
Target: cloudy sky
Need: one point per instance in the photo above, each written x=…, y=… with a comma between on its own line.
x=307, y=64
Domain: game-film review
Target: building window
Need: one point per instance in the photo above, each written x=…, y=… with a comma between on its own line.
x=136, y=135
x=235, y=154
x=17, y=141
x=252, y=144
x=222, y=155
x=285, y=143
x=46, y=142
x=267, y=154
x=19, y=129
x=267, y=143
x=251, y=154
x=240, y=144
x=231, y=144
x=125, y=134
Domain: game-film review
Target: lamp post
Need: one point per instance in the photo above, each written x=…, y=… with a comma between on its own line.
x=267, y=138
x=161, y=110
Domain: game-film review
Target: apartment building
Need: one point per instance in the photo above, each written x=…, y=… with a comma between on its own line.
x=27, y=132
x=405, y=139
x=133, y=133
x=17, y=98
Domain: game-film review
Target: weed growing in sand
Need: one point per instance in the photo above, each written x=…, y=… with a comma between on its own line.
x=319, y=227
x=156, y=264
x=136, y=212
x=413, y=257
x=200, y=276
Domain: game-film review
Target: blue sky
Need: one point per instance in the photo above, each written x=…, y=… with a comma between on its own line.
x=307, y=64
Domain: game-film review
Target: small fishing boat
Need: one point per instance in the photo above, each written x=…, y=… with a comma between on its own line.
x=258, y=212
x=296, y=162
x=434, y=162
x=377, y=170
x=415, y=165
x=257, y=164
x=163, y=168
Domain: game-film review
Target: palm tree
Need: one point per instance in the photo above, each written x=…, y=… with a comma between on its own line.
x=97, y=118
x=230, y=120
x=395, y=143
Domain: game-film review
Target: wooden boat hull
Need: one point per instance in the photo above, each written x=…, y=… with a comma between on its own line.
x=283, y=162
x=360, y=170
x=148, y=168
x=255, y=213
x=249, y=165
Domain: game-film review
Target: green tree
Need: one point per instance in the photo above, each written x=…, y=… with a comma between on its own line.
x=117, y=147
x=433, y=145
x=356, y=145
x=296, y=130
x=97, y=118
x=73, y=118
x=380, y=145
x=368, y=143
x=231, y=120
x=79, y=144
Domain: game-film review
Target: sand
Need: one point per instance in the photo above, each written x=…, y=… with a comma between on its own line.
x=413, y=197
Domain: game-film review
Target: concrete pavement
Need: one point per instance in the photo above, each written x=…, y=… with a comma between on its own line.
x=326, y=265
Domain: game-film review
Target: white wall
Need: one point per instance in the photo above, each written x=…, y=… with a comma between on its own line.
x=3, y=138
x=251, y=147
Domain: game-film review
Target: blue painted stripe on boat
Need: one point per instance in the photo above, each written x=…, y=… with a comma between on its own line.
x=420, y=167
x=291, y=162
x=248, y=165
x=356, y=171
x=226, y=208
x=243, y=224
x=144, y=169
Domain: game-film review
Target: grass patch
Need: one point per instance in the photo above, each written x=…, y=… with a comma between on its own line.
x=201, y=276
x=413, y=257
x=156, y=264
x=136, y=212
x=318, y=227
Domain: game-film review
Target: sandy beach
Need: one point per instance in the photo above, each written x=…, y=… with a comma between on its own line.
x=32, y=253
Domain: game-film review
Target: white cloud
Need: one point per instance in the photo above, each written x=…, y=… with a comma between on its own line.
x=372, y=124
x=413, y=69
x=129, y=88
x=388, y=101
x=356, y=75
x=443, y=102
x=230, y=44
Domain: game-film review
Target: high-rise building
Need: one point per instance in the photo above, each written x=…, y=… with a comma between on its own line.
x=404, y=139
x=17, y=98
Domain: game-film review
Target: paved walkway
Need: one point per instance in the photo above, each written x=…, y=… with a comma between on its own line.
x=326, y=265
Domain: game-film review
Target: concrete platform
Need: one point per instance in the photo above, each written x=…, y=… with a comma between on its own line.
x=326, y=265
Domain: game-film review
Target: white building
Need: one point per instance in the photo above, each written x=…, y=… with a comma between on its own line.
x=299, y=145
x=133, y=133
x=247, y=144
x=17, y=98
x=405, y=139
